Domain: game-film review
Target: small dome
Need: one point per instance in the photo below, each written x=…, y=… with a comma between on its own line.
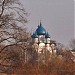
x=47, y=36
x=40, y=30
x=35, y=35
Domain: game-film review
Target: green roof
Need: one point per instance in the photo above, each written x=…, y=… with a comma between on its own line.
x=73, y=50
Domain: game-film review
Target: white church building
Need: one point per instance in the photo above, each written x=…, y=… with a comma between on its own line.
x=42, y=40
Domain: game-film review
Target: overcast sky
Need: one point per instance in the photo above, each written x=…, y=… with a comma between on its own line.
x=57, y=17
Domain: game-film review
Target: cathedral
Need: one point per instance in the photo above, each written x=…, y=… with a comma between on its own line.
x=42, y=40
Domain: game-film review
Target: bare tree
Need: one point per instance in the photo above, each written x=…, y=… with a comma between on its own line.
x=13, y=34
x=12, y=22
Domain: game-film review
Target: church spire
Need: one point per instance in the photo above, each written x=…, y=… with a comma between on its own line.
x=40, y=23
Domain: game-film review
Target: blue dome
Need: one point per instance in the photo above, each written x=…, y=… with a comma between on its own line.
x=40, y=30
x=47, y=36
x=35, y=35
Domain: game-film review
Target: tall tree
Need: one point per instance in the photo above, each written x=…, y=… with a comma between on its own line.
x=13, y=34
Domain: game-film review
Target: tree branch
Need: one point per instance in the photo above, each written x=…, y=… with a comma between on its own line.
x=2, y=8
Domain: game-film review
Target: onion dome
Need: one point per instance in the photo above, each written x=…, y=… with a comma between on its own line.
x=40, y=30
x=35, y=35
x=47, y=36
